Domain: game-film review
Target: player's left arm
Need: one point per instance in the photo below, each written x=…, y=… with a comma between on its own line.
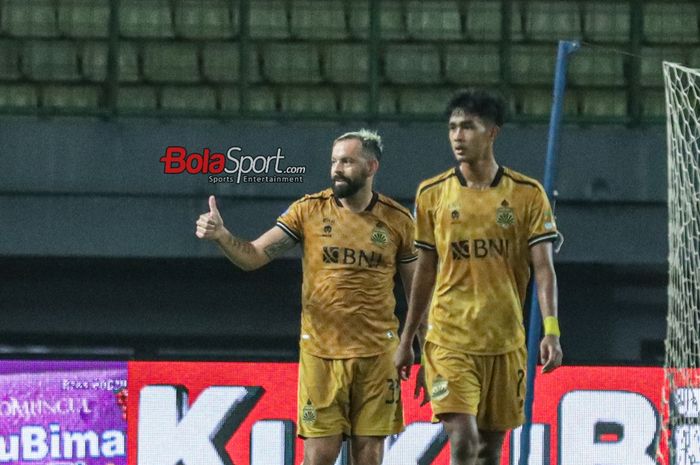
x=546, y=278
x=406, y=271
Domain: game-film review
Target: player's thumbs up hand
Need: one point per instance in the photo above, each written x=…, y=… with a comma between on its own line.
x=210, y=225
x=212, y=205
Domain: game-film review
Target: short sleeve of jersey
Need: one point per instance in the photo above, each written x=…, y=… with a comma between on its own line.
x=542, y=226
x=291, y=221
x=425, y=232
x=407, y=250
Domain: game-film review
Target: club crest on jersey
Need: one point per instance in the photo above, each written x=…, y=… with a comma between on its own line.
x=379, y=235
x=504, y=215
x=327, y=228
x=453, y=208
x=440, y=389
x=308, y=413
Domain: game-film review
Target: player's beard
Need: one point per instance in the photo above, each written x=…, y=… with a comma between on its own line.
x=350, y=188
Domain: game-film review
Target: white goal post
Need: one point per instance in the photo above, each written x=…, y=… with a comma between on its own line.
x=680, y=420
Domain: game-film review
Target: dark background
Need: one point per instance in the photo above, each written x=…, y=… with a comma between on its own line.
x=98, y=256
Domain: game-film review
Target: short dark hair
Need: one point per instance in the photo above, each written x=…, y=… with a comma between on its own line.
x=371, y=142
x=479, y=102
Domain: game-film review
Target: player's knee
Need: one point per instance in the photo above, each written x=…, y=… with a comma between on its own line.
x=491, y=444
x=462, y=452
x=367, y=457
x=320, y=453
x=464, y=447
x=367, y=451
x=319, y=457
x=489, y=456
x=464, y=437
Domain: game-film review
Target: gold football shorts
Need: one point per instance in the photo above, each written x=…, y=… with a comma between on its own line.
x=490, y=387
x=354, y=397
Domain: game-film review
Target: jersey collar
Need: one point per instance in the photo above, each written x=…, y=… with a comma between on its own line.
x=494, y=183
x=370, y=206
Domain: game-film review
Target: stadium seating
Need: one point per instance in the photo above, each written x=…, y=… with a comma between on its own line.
x=424, y=101
x=18, y=96
x=552, y=21
x=21, y=18
x=206, y=19
x=603, y=103
x=195, y=99
x=293, y=45
x=671, y=22
x=483, y=20
x=354, y=101
x=313, y=99
x=391, y=19
x=532, y=64
x=472, y=64
x=50, y=61
x=152, y=19
x=85, y=97
x=652, y=58
x=221, y=63
x=606, y=21
x=412, y=64
x=592, y=67
x=346, y=63
x=260, y=99
x=93, y=56
x=293, y=62
x=170, y=62
x=136, y=98
x=268, y=20
x=538, y=102
x=654, y=103
x=10, y=51
x=694, y=58
x=83, y=18
x=433, y=20
x=318, y=20
x=357, y=101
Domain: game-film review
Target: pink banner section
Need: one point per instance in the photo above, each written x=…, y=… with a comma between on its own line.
x=63, y=413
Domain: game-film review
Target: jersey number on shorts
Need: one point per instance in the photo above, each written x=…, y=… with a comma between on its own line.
x=521, y=377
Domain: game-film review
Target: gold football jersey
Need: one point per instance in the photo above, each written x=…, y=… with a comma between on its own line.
x=483, y=240
x=349, y=262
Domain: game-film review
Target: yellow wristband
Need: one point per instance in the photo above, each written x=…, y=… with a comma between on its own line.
x=551, y=326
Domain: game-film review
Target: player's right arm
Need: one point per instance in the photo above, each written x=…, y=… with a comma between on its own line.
x=421, y=293
x=244, y=254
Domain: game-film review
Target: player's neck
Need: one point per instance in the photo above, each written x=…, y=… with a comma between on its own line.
x=479, y=174
x=360, y=200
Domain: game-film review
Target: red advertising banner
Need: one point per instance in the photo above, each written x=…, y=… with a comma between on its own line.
x=245, y=413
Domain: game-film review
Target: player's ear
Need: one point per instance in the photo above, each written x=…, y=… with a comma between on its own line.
x=493, y=132
x=373, y=166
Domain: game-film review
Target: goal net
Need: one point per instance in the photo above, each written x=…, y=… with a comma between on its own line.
x=680, y=433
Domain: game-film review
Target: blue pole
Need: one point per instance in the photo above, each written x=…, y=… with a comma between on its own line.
x=565, y=49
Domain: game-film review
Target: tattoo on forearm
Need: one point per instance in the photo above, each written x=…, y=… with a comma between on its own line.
x=244, y=246
x=276, y=249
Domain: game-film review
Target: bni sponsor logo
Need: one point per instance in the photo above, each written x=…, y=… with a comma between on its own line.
x=232, y=167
